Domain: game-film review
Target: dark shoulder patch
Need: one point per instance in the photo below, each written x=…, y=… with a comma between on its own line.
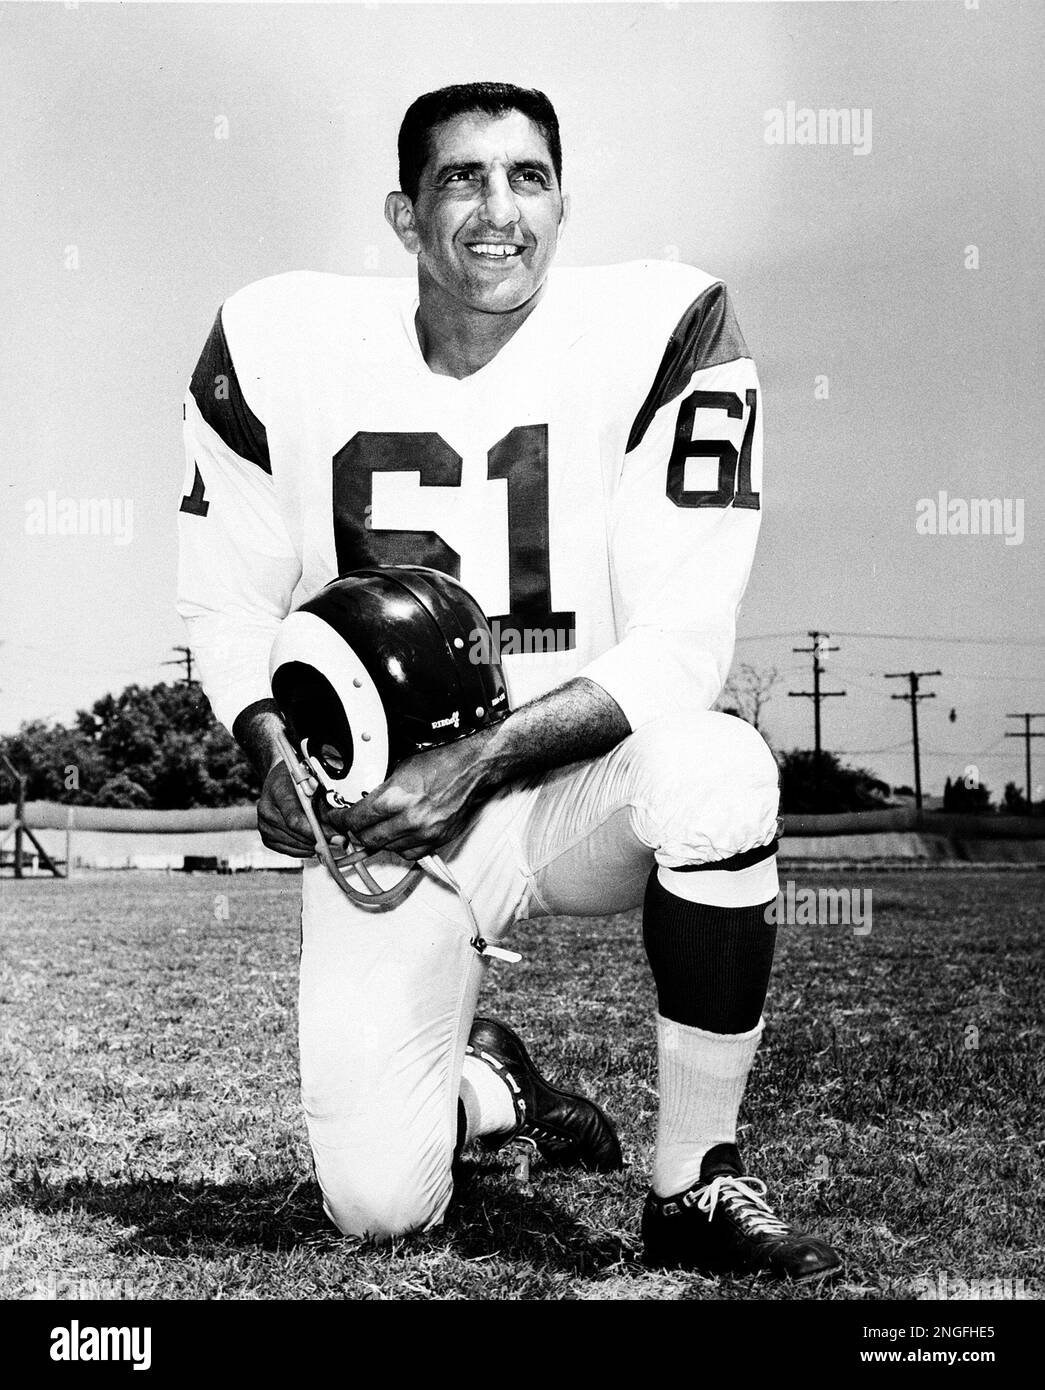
x=706, y=335
x=216, y=390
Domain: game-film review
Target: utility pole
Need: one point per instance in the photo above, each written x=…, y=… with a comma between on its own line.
x=184, y=660
x=1027, y=734
x=913, y=696
x=816, y=694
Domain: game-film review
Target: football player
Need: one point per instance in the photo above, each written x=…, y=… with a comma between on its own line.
x=582, y=449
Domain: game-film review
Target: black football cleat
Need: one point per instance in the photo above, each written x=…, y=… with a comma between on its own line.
x=566, y=1129
x=723, y=1225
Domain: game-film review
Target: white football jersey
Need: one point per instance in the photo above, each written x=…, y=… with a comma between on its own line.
x=596, y=486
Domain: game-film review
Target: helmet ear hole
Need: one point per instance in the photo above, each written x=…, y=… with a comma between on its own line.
x=315, y=716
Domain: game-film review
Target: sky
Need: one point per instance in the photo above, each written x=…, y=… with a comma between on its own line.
x=158, y=157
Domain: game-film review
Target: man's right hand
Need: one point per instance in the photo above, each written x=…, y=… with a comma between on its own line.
x=283, y=824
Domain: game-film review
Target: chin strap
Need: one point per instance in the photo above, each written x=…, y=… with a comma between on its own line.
x=438, y=869
x=353, y=859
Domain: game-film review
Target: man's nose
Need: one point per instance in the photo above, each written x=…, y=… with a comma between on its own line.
x=499, y=207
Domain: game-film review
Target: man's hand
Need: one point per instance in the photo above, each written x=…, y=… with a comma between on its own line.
x=281, y=821
x=283, y=824
x=426, y=802
x=430, y=798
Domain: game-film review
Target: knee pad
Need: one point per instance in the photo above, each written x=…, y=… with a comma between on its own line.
x=706, y=787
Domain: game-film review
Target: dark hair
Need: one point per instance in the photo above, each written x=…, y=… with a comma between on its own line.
x=494, y=98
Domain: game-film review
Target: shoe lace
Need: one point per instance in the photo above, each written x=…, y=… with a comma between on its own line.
x=740, y=1197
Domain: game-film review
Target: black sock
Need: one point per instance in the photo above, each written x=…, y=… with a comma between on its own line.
x=711, y=965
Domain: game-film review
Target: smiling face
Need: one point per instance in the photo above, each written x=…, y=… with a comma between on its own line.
x=486, y=220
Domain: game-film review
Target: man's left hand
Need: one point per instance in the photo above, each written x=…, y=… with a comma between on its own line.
x=425, y=803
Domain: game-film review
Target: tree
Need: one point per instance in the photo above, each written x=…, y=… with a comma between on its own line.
x=963, y=795
x=1014, y=803
x=60, y=764
x=154, y=747
x=122, y=792
x=747, y=691
x=812, y=784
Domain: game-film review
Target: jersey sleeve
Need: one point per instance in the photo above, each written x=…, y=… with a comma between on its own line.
x=685, y=520
x=237, y=565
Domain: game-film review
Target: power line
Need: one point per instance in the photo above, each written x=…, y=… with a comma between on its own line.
x=934, y=637
x=867, y=689
x=862, y=752
x=1001, y=680
x=981, y=753
x=959, y=754
x=903, y=637
x=849, y=671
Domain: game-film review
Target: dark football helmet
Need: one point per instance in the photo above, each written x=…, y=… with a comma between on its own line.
x=381, y=664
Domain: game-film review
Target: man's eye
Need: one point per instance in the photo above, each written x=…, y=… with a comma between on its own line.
x=530, y=176
x=461, y=176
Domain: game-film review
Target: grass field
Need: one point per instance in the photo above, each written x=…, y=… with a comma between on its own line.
x=152, y=1145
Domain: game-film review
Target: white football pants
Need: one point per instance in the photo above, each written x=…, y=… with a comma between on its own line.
x=387, y=998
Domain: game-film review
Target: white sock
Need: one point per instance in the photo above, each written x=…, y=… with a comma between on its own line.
x=702, y=1080
x=487, y=1101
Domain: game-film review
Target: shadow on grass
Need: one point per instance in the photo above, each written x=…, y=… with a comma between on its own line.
x=488, y=1215
x=491, y=1215
x=178, y=1218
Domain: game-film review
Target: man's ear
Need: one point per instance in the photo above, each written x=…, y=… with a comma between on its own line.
x=565, y=214
x=399, y=214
